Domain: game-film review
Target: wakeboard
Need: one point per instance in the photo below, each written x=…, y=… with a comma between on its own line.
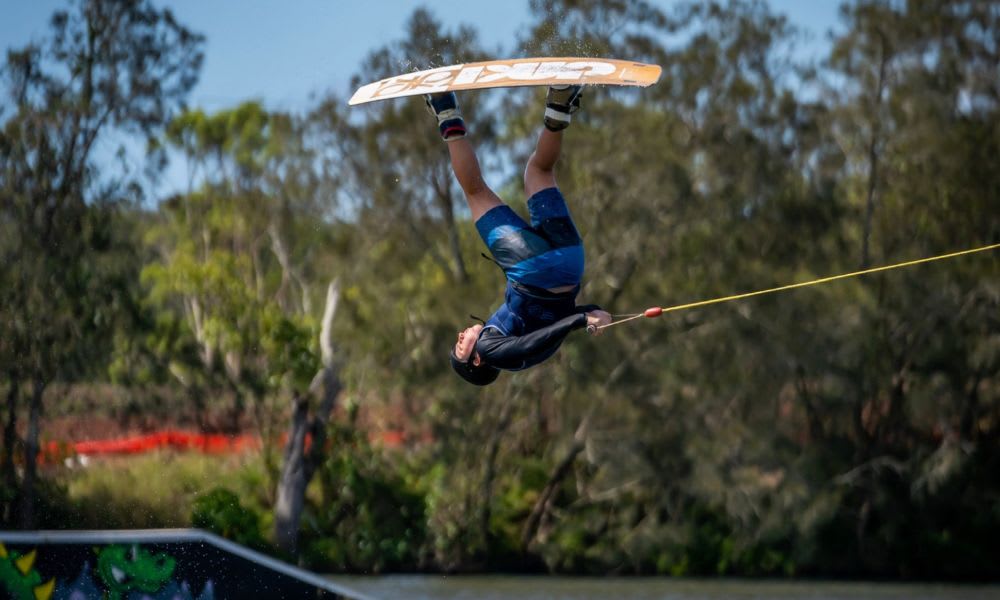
x=513, y=72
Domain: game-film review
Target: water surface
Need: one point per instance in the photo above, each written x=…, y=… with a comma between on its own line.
x=502, y=587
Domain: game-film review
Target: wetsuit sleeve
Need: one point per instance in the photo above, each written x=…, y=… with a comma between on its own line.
x=511, y=352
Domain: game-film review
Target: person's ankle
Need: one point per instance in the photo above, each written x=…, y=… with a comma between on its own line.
x=452, y=129
x=561, y=101
x=444, y=107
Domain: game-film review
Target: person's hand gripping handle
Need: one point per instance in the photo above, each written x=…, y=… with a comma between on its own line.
x=596, y=320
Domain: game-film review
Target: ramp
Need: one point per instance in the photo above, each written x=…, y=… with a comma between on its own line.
x=157, y=564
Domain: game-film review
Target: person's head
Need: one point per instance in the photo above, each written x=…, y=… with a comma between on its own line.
x=467, y=362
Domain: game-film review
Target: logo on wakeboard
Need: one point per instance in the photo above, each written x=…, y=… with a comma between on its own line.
x=445, y=77
x=514, y=72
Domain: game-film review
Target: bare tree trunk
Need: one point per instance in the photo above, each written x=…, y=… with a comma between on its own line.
x=559, y=473
x=7, y=470
x=443, y=194
x=873, y=156
x=862, y=526
x=562, y=469
x=291, y=486
x=299, y=466
x=288, y=272
x=812, y=415
x=489, y=473
x=31, y=447
x=10, y=433
x=206, y=347
x=967, y=423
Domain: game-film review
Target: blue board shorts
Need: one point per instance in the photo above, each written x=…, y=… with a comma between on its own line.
x=548, y=253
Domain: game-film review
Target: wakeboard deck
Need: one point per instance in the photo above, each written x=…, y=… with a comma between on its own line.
x=513, y=72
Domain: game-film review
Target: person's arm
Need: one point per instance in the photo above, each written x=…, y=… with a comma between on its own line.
x=511, y=352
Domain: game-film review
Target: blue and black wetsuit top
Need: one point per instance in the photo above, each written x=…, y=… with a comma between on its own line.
x=532, y=322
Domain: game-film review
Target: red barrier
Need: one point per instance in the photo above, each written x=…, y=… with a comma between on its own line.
x=54, y=452
x=178, y=440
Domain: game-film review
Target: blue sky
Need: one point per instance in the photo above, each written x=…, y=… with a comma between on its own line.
x=282, y=51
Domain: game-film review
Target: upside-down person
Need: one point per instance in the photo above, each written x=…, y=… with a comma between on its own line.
x=543, y=261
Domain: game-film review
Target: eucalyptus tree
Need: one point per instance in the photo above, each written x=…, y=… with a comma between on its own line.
x=107, y=70
x=399, y=190
x=400, y=219
x=917, y=118
x=235, y=266
x=677, y=189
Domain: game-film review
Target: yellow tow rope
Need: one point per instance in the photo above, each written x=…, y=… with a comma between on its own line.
x=657, y=311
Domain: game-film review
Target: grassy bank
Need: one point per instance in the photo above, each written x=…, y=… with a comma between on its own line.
x=160, y=489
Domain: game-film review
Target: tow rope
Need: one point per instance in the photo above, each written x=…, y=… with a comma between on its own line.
x=656, y=311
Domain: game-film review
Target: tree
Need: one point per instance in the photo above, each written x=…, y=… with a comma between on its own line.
x=232, y=268
x=923, y=104
x=304, y=455
x=108, y=66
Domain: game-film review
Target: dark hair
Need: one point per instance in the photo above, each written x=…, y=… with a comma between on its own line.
x=483, y=374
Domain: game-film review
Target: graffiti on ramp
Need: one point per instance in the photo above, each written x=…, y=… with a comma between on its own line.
x=179, y=564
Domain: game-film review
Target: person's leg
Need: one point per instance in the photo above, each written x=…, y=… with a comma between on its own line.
x=560, y=104
x=539, y=173
x=561, y=268
x=464, y=163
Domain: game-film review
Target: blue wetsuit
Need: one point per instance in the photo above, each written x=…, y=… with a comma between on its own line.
x=532, y=322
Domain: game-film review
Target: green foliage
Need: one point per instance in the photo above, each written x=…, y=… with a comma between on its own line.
x=369, y=518
x=67, y=282
x=156, y=490
x=219, y=510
